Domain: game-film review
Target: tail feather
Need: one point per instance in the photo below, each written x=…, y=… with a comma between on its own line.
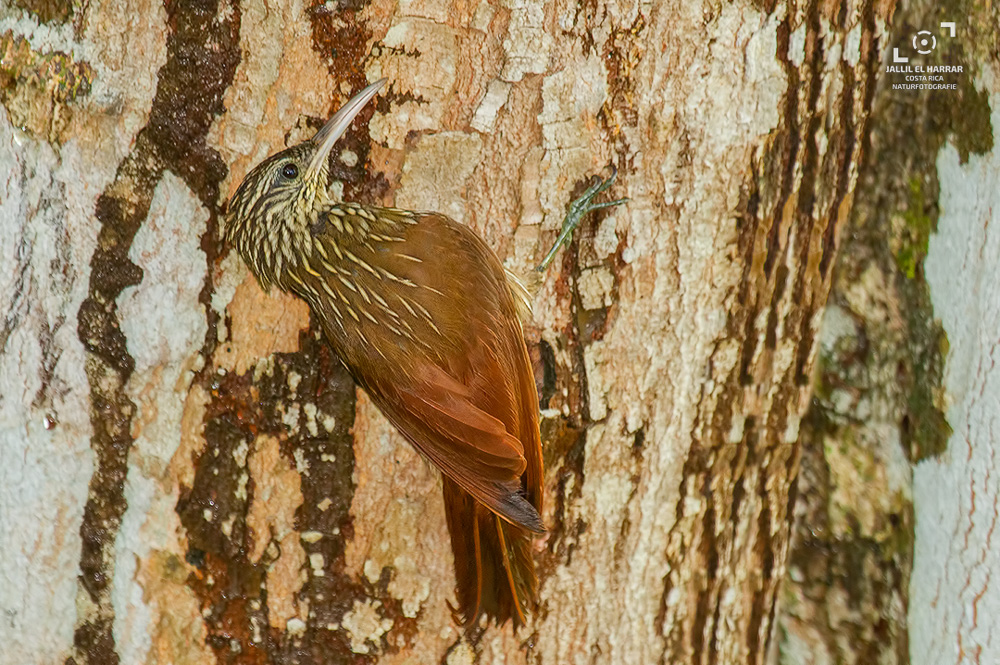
x=494, y=569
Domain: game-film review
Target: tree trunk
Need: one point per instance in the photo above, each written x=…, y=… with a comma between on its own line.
x=188, y=475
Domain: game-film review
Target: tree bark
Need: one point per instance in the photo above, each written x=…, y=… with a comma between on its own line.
x=210, y=484
x=954, y=596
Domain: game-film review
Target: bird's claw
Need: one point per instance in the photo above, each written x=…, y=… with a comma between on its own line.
x=579, y=209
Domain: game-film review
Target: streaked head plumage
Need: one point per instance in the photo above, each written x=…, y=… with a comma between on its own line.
x=274, y=187
x=269, y=217
x=294, y=181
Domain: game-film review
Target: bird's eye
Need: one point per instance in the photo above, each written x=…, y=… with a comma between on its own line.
x=290, y=171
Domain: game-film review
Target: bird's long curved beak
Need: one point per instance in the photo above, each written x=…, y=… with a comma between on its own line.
x=337, y=125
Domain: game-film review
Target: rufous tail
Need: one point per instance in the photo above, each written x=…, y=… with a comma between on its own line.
x=494, y=568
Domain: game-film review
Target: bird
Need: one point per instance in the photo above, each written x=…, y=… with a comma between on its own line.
x=428, y=322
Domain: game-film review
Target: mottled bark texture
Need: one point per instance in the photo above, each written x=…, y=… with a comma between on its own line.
x=190, y=476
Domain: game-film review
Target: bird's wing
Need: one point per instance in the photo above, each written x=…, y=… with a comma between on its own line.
x=437, y=414
x=423, y=316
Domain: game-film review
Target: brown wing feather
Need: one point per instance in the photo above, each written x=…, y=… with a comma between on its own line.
x=447, y=406
x=470, y=446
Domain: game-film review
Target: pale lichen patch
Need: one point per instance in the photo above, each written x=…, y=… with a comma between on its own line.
x=571, y=100
x=309, y=409
x=436, y=170
x=462, y=654
x=293, y=379
x=312, y=537
x=229, y=274
x=290, y=416
x=192, y=435
x=164, y=323
x=329, y=422
x=372, y=571
x=271, y=519
x=409, y=585
x=296, y=627
x=365, y=626
x=496, y=96
x=301, y=463
x=317, y=563
x=595, y=286
x=852, y=46
x=163, y=320
x=420, y=58
x=349, y=157
x=606, y=492
x=528, y=44
x=593, y=358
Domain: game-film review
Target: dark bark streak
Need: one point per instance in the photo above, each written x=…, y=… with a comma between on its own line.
x=200, y=64
x=781, y=219
x=711, y=547
x=803, y=138
x=787, y=158
x=740, y=326
x=780, y=284
x=811, y=186
x=232, y=594
x=231, y=584
x=707, y=551
x=764, y=554
x=12, y=318
x=330, y=460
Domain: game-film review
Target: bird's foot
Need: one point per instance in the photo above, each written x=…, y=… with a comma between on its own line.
x=578, y=209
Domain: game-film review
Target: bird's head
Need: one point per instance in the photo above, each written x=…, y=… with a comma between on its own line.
x=287, y=187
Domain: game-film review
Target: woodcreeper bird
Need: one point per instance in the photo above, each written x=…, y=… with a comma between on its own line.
x=426, y=319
